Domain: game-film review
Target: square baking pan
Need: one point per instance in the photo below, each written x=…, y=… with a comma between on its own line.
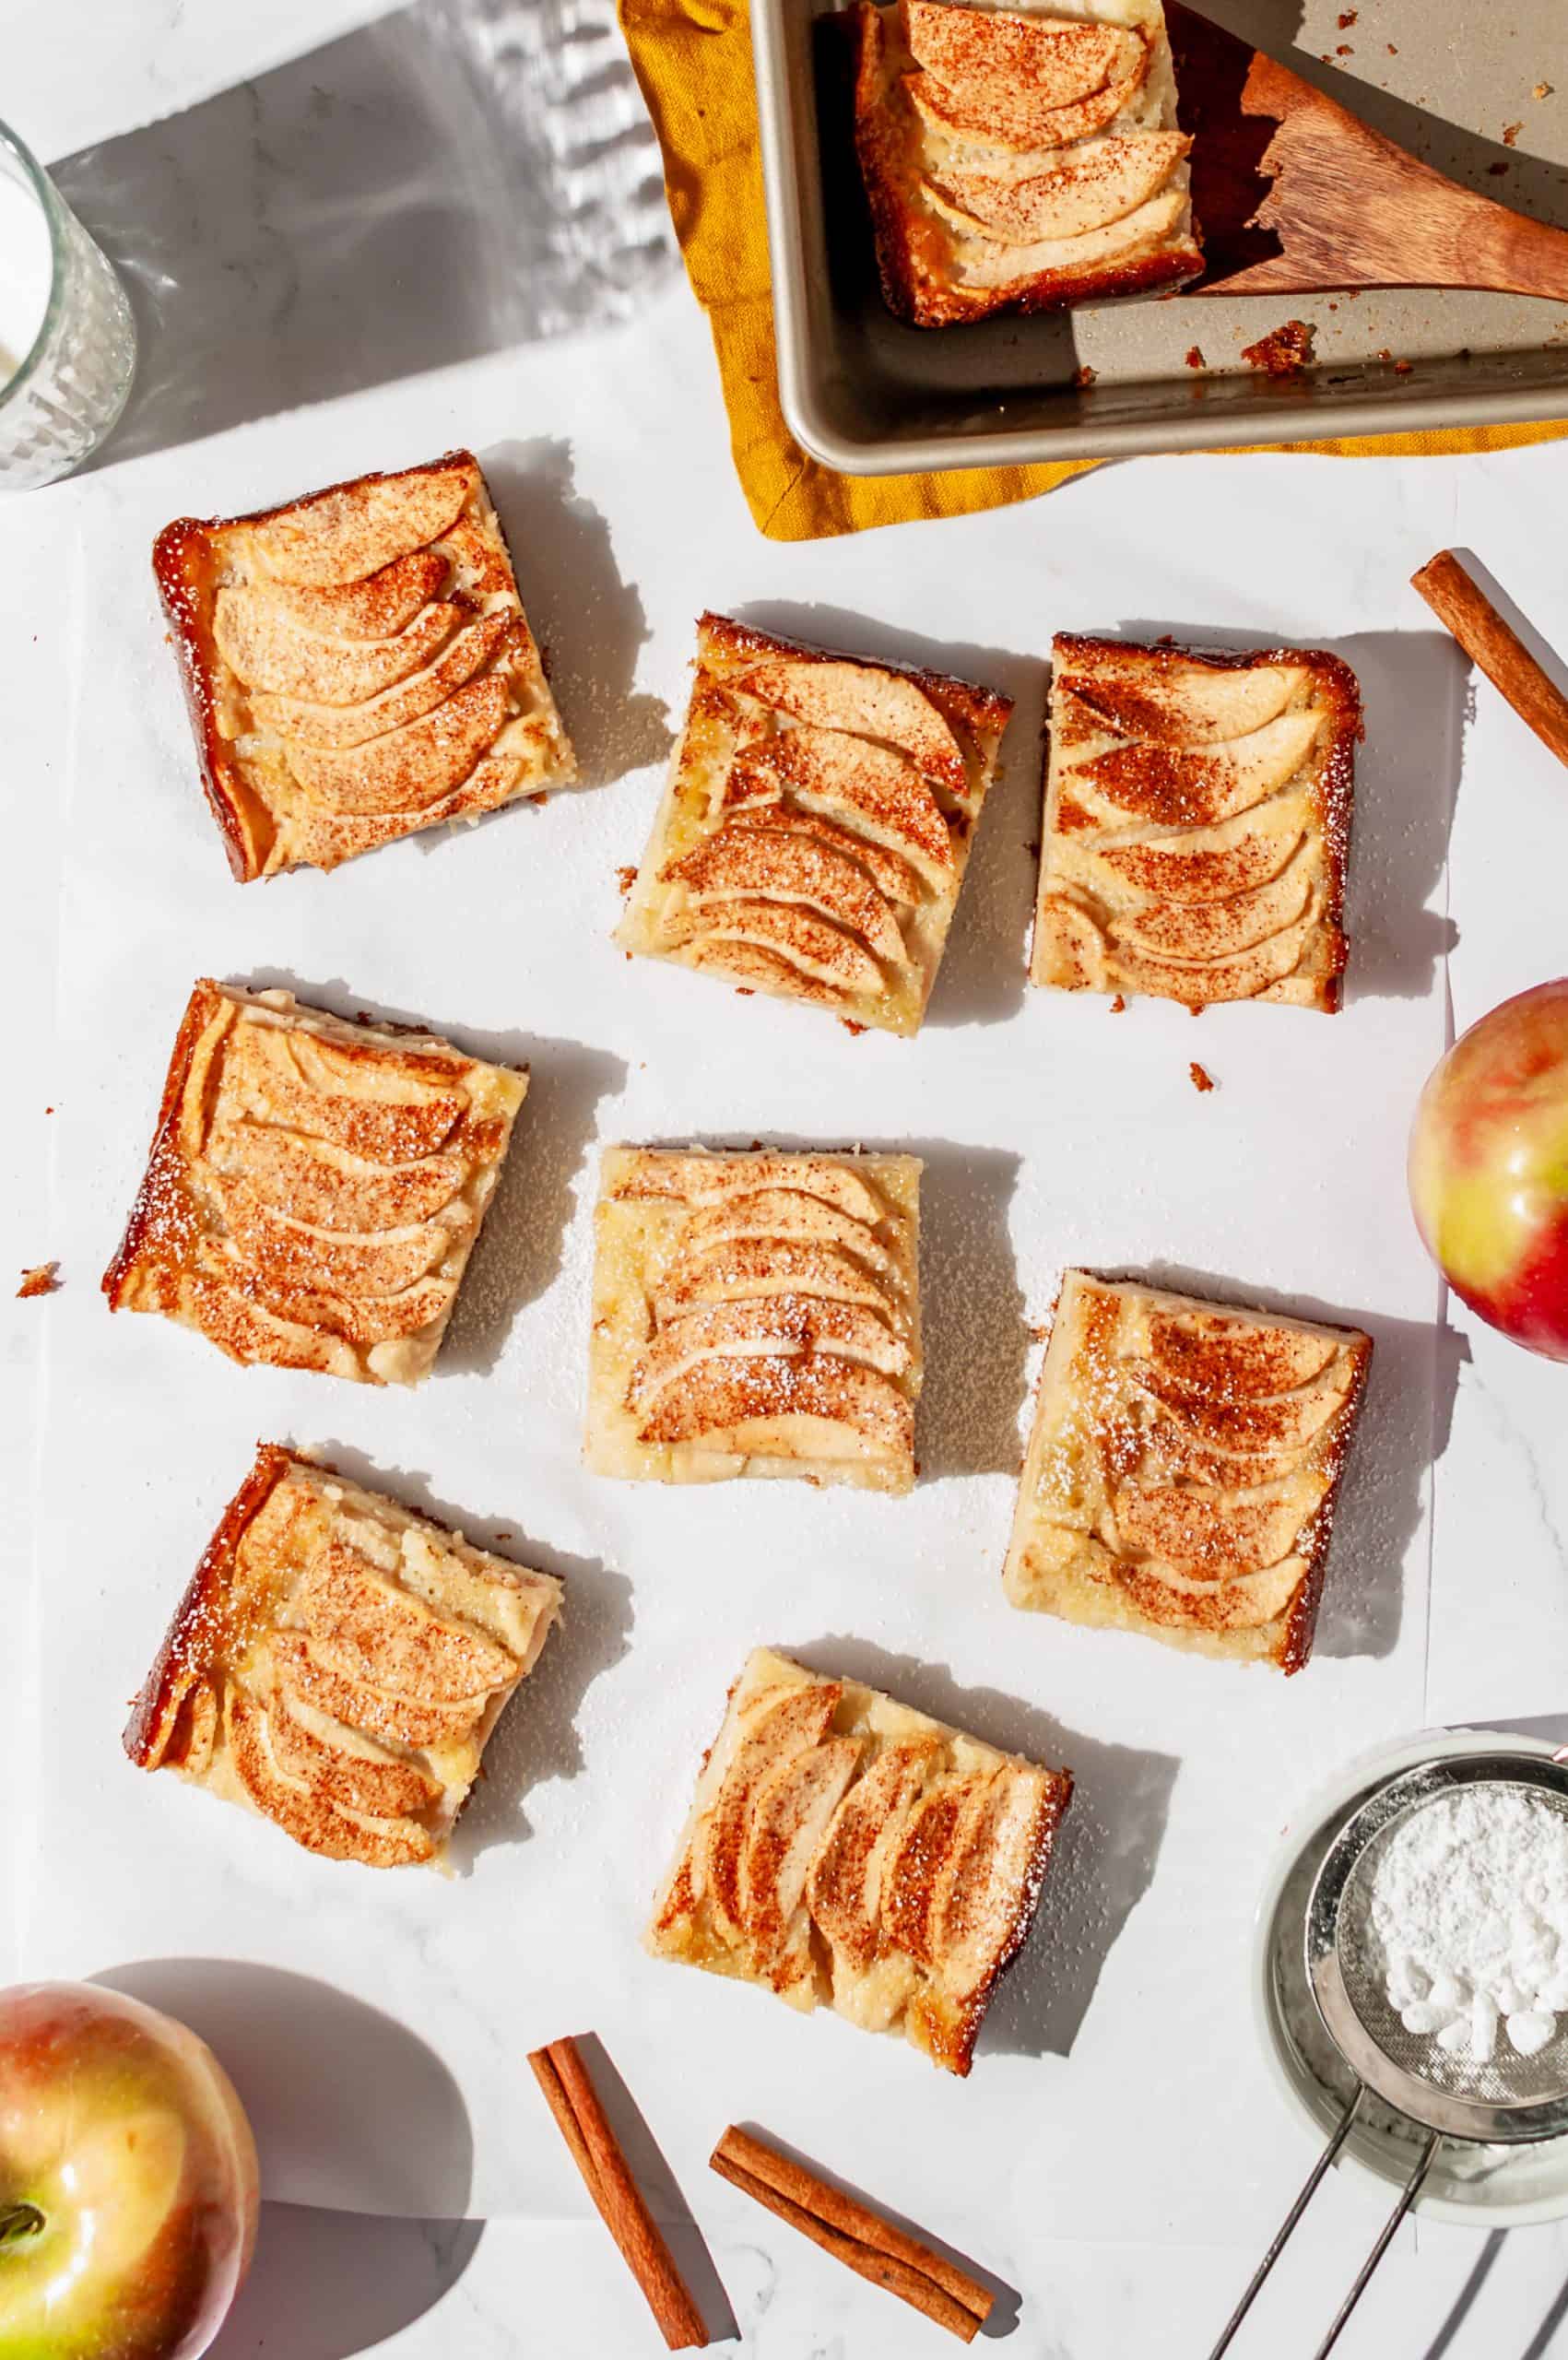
x=1485, y=102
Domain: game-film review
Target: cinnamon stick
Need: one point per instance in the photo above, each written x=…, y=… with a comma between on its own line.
x=1462, y=607
x=581, y=2120
x=873, y=2248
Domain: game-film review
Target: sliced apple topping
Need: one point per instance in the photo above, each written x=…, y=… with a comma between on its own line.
x=315, y=1181
x=371, y=1628
x=783, y=1214
x=772, y=1731
x=383, y=1262
x=779, y=1323
x=934, y=1836
x=1212, y=864
x=1164, y=1595
x=1210, y=930
x=794, y=936
x=345, y=1768
x=975, y=1922
x=1211, y=1537
x=1057, y=59
x=813, y=1405
x=851, y=1868
x=343, y=536
x=1200, y=982
x=1210, y=1354
x=1101, y=183
x=1197, y=788
x=862, y=701
x=263, y=643
x=378, y=608
x=366, y=1321
x=744, y=1267
x=404, y=770
x=790, y=1807
x=263, y=1077
x=1001, y=116
x=1238, y=1421
x=829, y=770
x=1185, y=704
x=793, y=868
x=893, y=878
x=315, y=722
x=715, y=1179
x=312, y=1818
x=993, y=264
x=1164, y=1451
x=1067, y=937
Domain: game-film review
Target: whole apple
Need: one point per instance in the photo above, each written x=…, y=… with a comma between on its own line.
x=127, y=2180
x=1489, y=1168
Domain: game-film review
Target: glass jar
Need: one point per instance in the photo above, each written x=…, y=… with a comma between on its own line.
x=67, y=339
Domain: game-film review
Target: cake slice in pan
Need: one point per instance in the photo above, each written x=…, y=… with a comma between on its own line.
x=844, y=1850
x=756, y=1314
x=1182, y=1473
x=358, y=665
x=814, y=833
x=1020, y=162
x=314, y=1188
x=337, y=1664
x=1197, y=823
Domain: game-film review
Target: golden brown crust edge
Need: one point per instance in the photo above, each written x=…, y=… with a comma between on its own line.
x=977, y=707
x=190, y=1641
x=1342, y=691
x=182, y=558
x=1295, y=1646
x=911, y=293
x=154, y=1188
x=960, y=2056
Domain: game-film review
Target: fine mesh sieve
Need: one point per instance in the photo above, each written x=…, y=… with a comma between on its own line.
x=1508, y=2099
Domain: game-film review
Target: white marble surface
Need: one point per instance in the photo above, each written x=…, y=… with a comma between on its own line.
x=1140, y=2275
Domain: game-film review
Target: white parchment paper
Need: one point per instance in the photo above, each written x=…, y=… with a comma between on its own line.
x=377, y=2024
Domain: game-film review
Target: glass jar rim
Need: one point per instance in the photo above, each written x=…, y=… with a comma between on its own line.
x=53, y=207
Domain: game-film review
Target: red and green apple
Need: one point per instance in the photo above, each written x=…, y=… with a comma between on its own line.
x=1489, y=1168
x=127, y=2180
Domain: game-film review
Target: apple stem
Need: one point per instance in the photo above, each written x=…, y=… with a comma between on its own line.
x=19, y=2220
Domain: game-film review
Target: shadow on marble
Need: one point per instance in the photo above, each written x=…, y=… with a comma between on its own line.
x=1413, y=691
x=1460, y=2309
x=520, y=1246
x=1104, y=1858
x=1402, y=1431
x=983, y=975
x=662, y=2191
x=454, y=179
x=971, y=1310
x=590, y=625
x=535, y=1739
x=331, y=2285
x=348, y=2104
x=1005, y=2300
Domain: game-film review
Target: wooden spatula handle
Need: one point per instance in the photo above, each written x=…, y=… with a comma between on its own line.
x=1462, y=607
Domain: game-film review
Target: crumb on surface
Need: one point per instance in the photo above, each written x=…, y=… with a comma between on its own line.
x=1194, y=357
x=626, y=877
x=1118, y=1006
x=1345, y=49
x=542, y=797
x=851, y=1026
x=1347, y=19
x=1403, y=368
x=1541, y=91
x=1392, y=49
x=1201, y=1078
x=1511, y=134
x=39, y=1280
x=1498, y=169
x=1285, y=351
x=1083, y=374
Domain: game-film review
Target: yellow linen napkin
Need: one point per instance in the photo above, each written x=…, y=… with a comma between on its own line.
x=693, y=60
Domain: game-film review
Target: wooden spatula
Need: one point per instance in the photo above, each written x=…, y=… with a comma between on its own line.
x=1293, y=192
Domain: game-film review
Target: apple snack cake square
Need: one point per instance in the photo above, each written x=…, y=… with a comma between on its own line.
x=1181, y=1473
x=314, y=1187
x=1197, y=823
x=358, y=665
x=338, y=1663
x=844, y=1850
x=756, y=1314
x=815, y=824
x=1020, y=160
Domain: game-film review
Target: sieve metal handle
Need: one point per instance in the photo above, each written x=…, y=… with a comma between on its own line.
x=1411, y=2190
x=1336, y=2139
